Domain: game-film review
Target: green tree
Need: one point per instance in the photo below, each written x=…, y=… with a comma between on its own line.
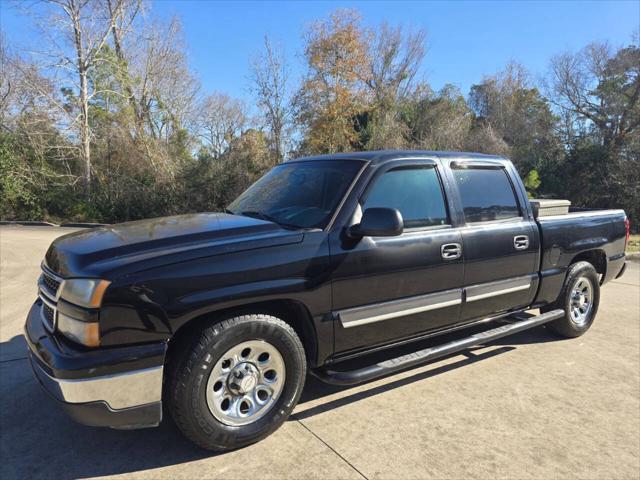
x=532, y=182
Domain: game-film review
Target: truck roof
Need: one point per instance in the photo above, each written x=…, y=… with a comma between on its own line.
x=379, y=156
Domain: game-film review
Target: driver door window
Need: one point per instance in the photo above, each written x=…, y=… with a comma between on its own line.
x=416, y=192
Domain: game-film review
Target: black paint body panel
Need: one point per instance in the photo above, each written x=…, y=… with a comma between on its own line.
x=63, y=359
x=565, y=237
x=167, y=272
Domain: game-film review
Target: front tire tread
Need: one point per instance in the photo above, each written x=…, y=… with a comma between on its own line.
x=185, y=408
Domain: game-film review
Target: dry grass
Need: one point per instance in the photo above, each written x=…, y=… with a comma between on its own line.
x=634, y=244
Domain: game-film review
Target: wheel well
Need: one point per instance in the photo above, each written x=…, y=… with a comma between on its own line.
x=597, y=258
x=291, y=311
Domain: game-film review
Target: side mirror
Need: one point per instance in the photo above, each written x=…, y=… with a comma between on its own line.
x=378, y=222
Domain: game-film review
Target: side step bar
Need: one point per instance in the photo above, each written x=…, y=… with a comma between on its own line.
x=422, y=356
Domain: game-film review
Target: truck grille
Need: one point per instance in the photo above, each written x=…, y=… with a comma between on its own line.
x=51, y=283
x=48, y=316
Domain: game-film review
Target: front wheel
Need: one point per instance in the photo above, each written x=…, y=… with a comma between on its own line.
x=579, y=298
x=237, y=382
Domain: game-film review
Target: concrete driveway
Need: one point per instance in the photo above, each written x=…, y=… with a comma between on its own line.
x=529, y=406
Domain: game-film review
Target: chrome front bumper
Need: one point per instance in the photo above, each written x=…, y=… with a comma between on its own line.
x=115, y=387
x=81, y=399
x=127, y=390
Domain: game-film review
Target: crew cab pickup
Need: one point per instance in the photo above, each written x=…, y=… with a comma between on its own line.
x=216, y=318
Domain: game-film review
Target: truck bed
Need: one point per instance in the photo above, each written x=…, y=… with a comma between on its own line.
x=598, y=235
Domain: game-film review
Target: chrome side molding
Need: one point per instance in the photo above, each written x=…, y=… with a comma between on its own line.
x=494, y=289
x=357, y=316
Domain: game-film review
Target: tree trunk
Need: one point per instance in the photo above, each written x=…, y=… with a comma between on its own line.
x=277, y=138
x=114, y=13
x=84, y=132
x=84, y=100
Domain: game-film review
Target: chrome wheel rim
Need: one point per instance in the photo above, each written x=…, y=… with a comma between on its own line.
x=581, y=301
x=245, y=383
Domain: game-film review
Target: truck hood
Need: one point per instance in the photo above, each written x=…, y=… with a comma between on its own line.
x=114, y=250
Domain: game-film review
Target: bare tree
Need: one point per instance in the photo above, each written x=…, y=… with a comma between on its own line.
x=14, y=95
x=498, y=95
x=122, y=23
x=6, y=85
x=22, y=88
x=165, y=89
x=36, y=155
x=220, y=120
x=441, y=120
x=269, y=77
x=87, y=45
x=394, y=61
x=600, y=87
x=77, y=31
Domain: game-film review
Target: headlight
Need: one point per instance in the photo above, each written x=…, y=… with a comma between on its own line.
x=86, y=333
x=86, y=293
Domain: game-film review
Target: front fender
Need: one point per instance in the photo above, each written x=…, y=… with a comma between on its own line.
x=154, y=304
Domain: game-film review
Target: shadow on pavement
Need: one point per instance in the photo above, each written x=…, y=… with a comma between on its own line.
x=14, y=349
x=38, y=440
x=315, y=388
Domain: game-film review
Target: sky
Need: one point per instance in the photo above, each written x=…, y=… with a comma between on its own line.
x=466, y=40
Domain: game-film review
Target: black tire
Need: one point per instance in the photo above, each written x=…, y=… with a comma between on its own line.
x=188, y=374
x=567, y=326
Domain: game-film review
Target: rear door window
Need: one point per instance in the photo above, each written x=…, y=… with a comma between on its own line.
x=486, y=194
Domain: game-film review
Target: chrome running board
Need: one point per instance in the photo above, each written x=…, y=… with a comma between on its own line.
x=518, y=323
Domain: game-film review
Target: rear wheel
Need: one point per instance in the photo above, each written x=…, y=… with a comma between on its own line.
x=579, y=298
x=237, y=382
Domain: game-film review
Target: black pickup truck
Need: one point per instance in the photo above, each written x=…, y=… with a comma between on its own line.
x=218, y=317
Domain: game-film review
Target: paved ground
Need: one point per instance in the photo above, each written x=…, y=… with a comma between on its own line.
x=529, y=406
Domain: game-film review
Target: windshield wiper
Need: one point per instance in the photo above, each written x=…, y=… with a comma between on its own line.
x=267, y=217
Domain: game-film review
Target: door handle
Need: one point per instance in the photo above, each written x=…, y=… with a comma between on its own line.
x=521, y=242
x=451, y=251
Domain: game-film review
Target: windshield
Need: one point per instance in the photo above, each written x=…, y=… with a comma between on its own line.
x=298, y=194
